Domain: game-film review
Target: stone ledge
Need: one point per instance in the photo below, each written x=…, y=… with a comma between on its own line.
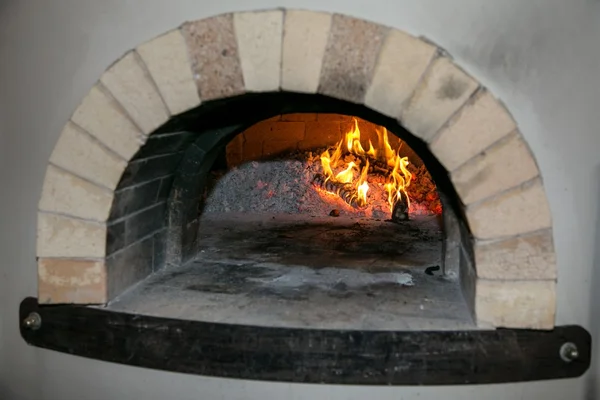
x=167, y=60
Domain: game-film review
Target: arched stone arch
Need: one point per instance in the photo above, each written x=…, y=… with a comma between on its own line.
x=401, y=76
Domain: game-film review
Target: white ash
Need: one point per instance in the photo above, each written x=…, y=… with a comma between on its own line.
x=285, y=186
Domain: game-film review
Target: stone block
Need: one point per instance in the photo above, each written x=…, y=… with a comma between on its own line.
x=131, y=85
x=60, y=236
x=259, y=38
x=304, y=41
x=401, y=64
x=505, y=165
x=518, y=211
x=78, y=153
x=350, y=56
x=65, y=281
x=168, y=62
x=68, y=194
x=516, y=304
x=102, y=117
x=442, y=91
x=166, y=143
x=213, y=50
x=528, y=257
x=474, y=128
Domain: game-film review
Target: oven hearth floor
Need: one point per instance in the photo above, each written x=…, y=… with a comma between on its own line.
x=298, y=271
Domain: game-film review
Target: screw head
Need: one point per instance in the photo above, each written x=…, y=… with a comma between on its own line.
x=33, y=321
x=569, y=352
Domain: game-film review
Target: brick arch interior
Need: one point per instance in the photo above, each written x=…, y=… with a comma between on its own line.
x=131, y=131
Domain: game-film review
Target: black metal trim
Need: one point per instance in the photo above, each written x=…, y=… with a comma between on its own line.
x=305, y=355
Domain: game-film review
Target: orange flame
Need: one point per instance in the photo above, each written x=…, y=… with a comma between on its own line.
x=336, y=169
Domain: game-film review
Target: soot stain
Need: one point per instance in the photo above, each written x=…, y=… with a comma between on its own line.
x=451, y=89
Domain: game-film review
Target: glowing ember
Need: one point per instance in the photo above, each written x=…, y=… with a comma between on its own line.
x=350, y=176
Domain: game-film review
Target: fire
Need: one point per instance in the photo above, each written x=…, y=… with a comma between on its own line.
x=352, y=175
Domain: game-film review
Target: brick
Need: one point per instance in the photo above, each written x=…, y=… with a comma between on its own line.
x=299, y=117
x=160, y=250
x=167, y=60
x=505, y=165
x=401, y=63
x=253, y=150
x=274, y=147
x=77, y=152
x=102, y=117
x=67, y=194
x=333, y=117
x=129, y=266
x=304, y=41
x=441, y=92
x=320, y=134
x=259, y=37
x=132, y=199
x=60, y=236
x=213, y=50
x=131, y=85
x=527, y=257
x=68, y=281
x=475, y=127
x=515, y=212
x=276, y=130
x=516, y=304
x=350, y=57
x=148, y=169
x=165, y=144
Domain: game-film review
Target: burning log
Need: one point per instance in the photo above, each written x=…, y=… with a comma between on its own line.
x=344, y=190
x=400, y=209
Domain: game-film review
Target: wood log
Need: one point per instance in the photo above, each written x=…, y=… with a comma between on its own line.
x=344, y=190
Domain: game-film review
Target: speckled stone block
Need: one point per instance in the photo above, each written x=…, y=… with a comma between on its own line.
x=474, y=128
x=401, y=64
x=515, y=304
x=304, y=41
x=60, y=236
x=515, y=212
x=77, y=152
x=213, y=50
x=102, y=117
x=259, y=38
x=441, y=92
x=528, y=257
x=63, y=281
x=168, y=62
x=67, y=194
x=350, y=57
x=505, y=165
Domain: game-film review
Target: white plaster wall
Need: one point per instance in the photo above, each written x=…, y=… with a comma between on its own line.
x=542, y=57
